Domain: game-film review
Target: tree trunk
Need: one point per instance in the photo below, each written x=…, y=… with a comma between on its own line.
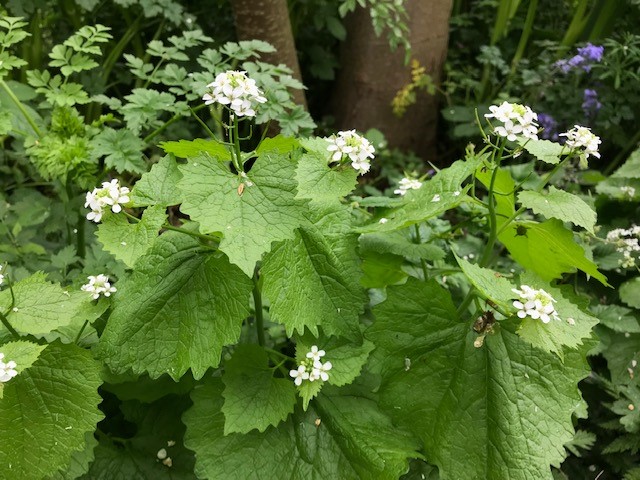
x=372, y=74
x=268, y=20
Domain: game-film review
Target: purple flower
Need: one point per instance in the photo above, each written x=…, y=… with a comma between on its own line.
x=549, y=127
x=591, y=52
x=590, y=105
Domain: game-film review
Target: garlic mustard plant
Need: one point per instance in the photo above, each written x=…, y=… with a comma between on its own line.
x=582, y=140
x=406, y=184
x=536, y=304
x=236, y=91
x=311, y=368
x=110, y=196
x=7, y=369
x=517, y=120
x=627, y=242
x=98, y=285
x=352, y=146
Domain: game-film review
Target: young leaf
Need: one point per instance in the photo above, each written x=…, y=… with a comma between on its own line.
x=322, y=184
x=265, y=211
x=40, y=306
x=490, y=284
x=122, y=150
x=562, y=205
x=176, y=311
x=313, y=281
x=253, y=398
x=346, y=438
x=47, y=410
x=129, y=241
x=159, y=186
x=547, y=249
x=193, y=148
x=484, y=406
x=545, y=150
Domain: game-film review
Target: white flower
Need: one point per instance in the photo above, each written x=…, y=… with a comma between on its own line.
x=582, y=138
x=407, y=184
x=235, y=90
x=628, y=191
x=536, y=304
x=627, y=242
x=7, y=370
x=357, y=148
x=320, y=370
x=300, y=374
x=110, y=195
x=315, y=354
x=516, y=120
x=98, y=285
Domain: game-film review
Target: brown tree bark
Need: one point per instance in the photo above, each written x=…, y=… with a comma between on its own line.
x=268, y=20
x=372, y=74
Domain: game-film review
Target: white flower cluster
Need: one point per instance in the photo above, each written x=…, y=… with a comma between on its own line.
x=536, y=304
x=234, y=89
x=7, y=370
x=356, y=147
x=582, y=138
x=311, y=368
x=628, y=191
x=627, y=242
x=407, y=184
x=110, y=195
x=516, y=120
x=98, y=285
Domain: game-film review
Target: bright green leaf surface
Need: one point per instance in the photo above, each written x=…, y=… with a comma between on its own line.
x=194, y=148
x=40, y=306
x=79, y=462
x=122, y=150
x=253, y=398
x=503, y=187
x=561, y=205
x=322, y=184
x=265, y=212
x=189, y=303
x=489, y=283
x=500, y=411
x=159, y=186
x=443, y=192
x=545, y=150
x=547, y=249
x=398, y=243
x=630, y=168
x=46, y=412
x=129, y=241
x=353, y=440
x=617, y=318
x=630, y=292
x=312, y=281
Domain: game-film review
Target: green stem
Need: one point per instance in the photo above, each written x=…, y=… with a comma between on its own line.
x=423, y=263
x=169, y=122
x=8, y=326
x=236, y=144
x=257, y=301
x=24, y=112
x=466, y=302
x=84, y=325
x=493, y=221
x=524, y=37
x=277, y=353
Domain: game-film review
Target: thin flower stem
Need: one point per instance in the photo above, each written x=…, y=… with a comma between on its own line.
x=423, y=263
x=236, y=143
x=257, y=300
x=466, y=301
x=169, y=122
x=18, y=104
x=279, y=354
x=7, y=325
x=201, y=122
x=493, y=221
x=84, y=325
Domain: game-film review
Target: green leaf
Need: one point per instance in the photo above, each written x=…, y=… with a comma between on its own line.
x=630, y=168
x=80, y=461
x=251, y=220
x=347, y=437
x=157, y=427
x=381, y=270
x=503, y=410
x=46, y=412
x=193, y=148
x=630, y=292
x=23, y=353
x=399, y=243
x=322, y=184
x=443, y=192
x=313, y=281
x=253, y=398
x=122, y=150
x=159, y=186
x=40, y=306
x=547, y=249
x=5, y=122
x=544, y=150
x=129, y=241
x=574, y=324
x=562, y=205
x=504, y=187
x=189, y=303
x=490, y=284
x=617, y=318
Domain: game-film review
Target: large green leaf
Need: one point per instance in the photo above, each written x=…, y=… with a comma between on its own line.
x=630, y=292
x=253, y=398
x=129, y=241
x=322, y=184
x=41, y=306
x=121, y=148
x=159, y=186
x=193, y=148
x=443, y=192
x=547, y=249
x=344, y=437
x=545, y=150
x=562, y=205
x=398, y=243
x=251, y=219
x=158, y=427
x=176, y=311
x=503, y=187
x=490, y=284
x=46, y=412
x=499, y=411
x=313, y=281
x=80, y=461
